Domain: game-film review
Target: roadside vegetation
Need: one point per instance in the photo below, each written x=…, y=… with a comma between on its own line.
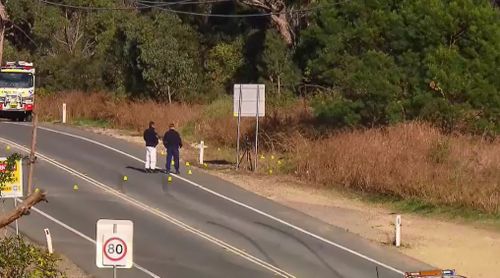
x=19, y=258
x=398, y=99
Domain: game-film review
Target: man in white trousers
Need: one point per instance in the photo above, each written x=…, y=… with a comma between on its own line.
x=151, y=140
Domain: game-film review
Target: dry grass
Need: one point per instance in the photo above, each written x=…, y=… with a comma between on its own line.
x=117, y=113
x=411, y=160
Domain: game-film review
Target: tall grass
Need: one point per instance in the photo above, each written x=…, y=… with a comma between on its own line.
x=117, y=113
x=410, y=161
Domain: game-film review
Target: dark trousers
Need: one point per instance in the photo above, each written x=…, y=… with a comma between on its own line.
x=175, y=153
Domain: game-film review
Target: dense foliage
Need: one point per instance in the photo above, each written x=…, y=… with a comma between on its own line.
x=19, y=258
x=363, y=62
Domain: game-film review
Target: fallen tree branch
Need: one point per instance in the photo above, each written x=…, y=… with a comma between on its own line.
x=23, y=208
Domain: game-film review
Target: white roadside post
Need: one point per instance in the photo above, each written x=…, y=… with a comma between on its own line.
x=64, y=113
x=202, y=151
x=49, y=240
x=114, y=247
x=398, y=230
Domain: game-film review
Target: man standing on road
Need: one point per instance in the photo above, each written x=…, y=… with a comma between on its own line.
x=151, y=139
x=172, y=142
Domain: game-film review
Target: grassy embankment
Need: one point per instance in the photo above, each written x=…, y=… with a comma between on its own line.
x=413, y=165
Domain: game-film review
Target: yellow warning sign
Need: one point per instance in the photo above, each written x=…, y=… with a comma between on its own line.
x=14, y=188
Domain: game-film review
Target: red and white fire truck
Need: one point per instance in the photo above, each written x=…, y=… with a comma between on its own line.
x=17, y=90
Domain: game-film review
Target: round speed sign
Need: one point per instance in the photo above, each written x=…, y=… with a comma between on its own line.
x=114, y=249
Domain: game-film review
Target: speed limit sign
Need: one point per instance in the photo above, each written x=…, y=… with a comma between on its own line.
x=114, y=250
x=114, y=243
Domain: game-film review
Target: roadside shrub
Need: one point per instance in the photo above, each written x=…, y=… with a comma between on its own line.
x=24, y=260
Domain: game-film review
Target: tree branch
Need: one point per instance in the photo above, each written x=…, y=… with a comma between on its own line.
x=23, y=208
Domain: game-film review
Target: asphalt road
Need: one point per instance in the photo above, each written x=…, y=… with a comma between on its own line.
x=195, y=226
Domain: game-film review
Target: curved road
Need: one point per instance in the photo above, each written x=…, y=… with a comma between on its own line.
x=195, y=226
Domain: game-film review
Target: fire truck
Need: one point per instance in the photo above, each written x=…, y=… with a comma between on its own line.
x=17, y=90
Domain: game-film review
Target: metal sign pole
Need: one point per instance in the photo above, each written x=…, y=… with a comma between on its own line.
x=17, y=224
x=257, y=129
x=114, y=266
x=239, y=123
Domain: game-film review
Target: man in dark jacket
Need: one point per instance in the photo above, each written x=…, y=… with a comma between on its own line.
x=172, y=142
x=151, y=139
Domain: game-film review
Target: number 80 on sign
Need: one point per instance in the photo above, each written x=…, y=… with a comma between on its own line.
x=114, y=251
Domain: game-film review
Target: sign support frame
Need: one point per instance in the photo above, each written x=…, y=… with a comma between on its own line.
x=249, y=110
x=257, y=129
x=239, y=129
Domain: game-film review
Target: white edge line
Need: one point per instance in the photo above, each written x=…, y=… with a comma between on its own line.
x=71, y=229
x=235, y=202
x=160, y=214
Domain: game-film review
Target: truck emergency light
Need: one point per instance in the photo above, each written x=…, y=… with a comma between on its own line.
x=18, y=65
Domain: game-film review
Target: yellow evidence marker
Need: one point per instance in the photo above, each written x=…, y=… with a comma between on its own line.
x=169, y=179
x=125, y=178
x=7, y=148
x=187, y=163
x=75, y=187
x=190, y=172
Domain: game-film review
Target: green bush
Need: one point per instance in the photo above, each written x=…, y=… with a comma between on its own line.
x=23, y=260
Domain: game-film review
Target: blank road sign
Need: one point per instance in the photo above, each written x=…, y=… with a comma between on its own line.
x=114, y=243
x=249, y=95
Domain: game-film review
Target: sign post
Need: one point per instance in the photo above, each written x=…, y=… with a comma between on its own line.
x=13, y=189
x=114, y=244
x=249, y=101
x=240, y=99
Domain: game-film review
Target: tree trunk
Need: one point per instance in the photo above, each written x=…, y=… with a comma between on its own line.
x=279, y=86
x=279, y=16
x=169, y=95
x=23, y=208
x=4, y=18
x=284, y=28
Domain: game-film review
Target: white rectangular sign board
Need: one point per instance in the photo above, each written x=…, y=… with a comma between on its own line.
x=114, y=243
x=249, y=93
x=13, y=189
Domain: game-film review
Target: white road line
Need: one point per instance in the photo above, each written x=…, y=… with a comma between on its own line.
x=75, y=231
x=157, y=212
x=320, y=238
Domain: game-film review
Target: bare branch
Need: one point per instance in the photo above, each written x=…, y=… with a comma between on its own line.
x=23, y=208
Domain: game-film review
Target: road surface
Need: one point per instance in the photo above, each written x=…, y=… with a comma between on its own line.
x=195, y=226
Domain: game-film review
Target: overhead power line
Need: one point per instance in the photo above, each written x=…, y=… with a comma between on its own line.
x=150, y=4
x=163, y=7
